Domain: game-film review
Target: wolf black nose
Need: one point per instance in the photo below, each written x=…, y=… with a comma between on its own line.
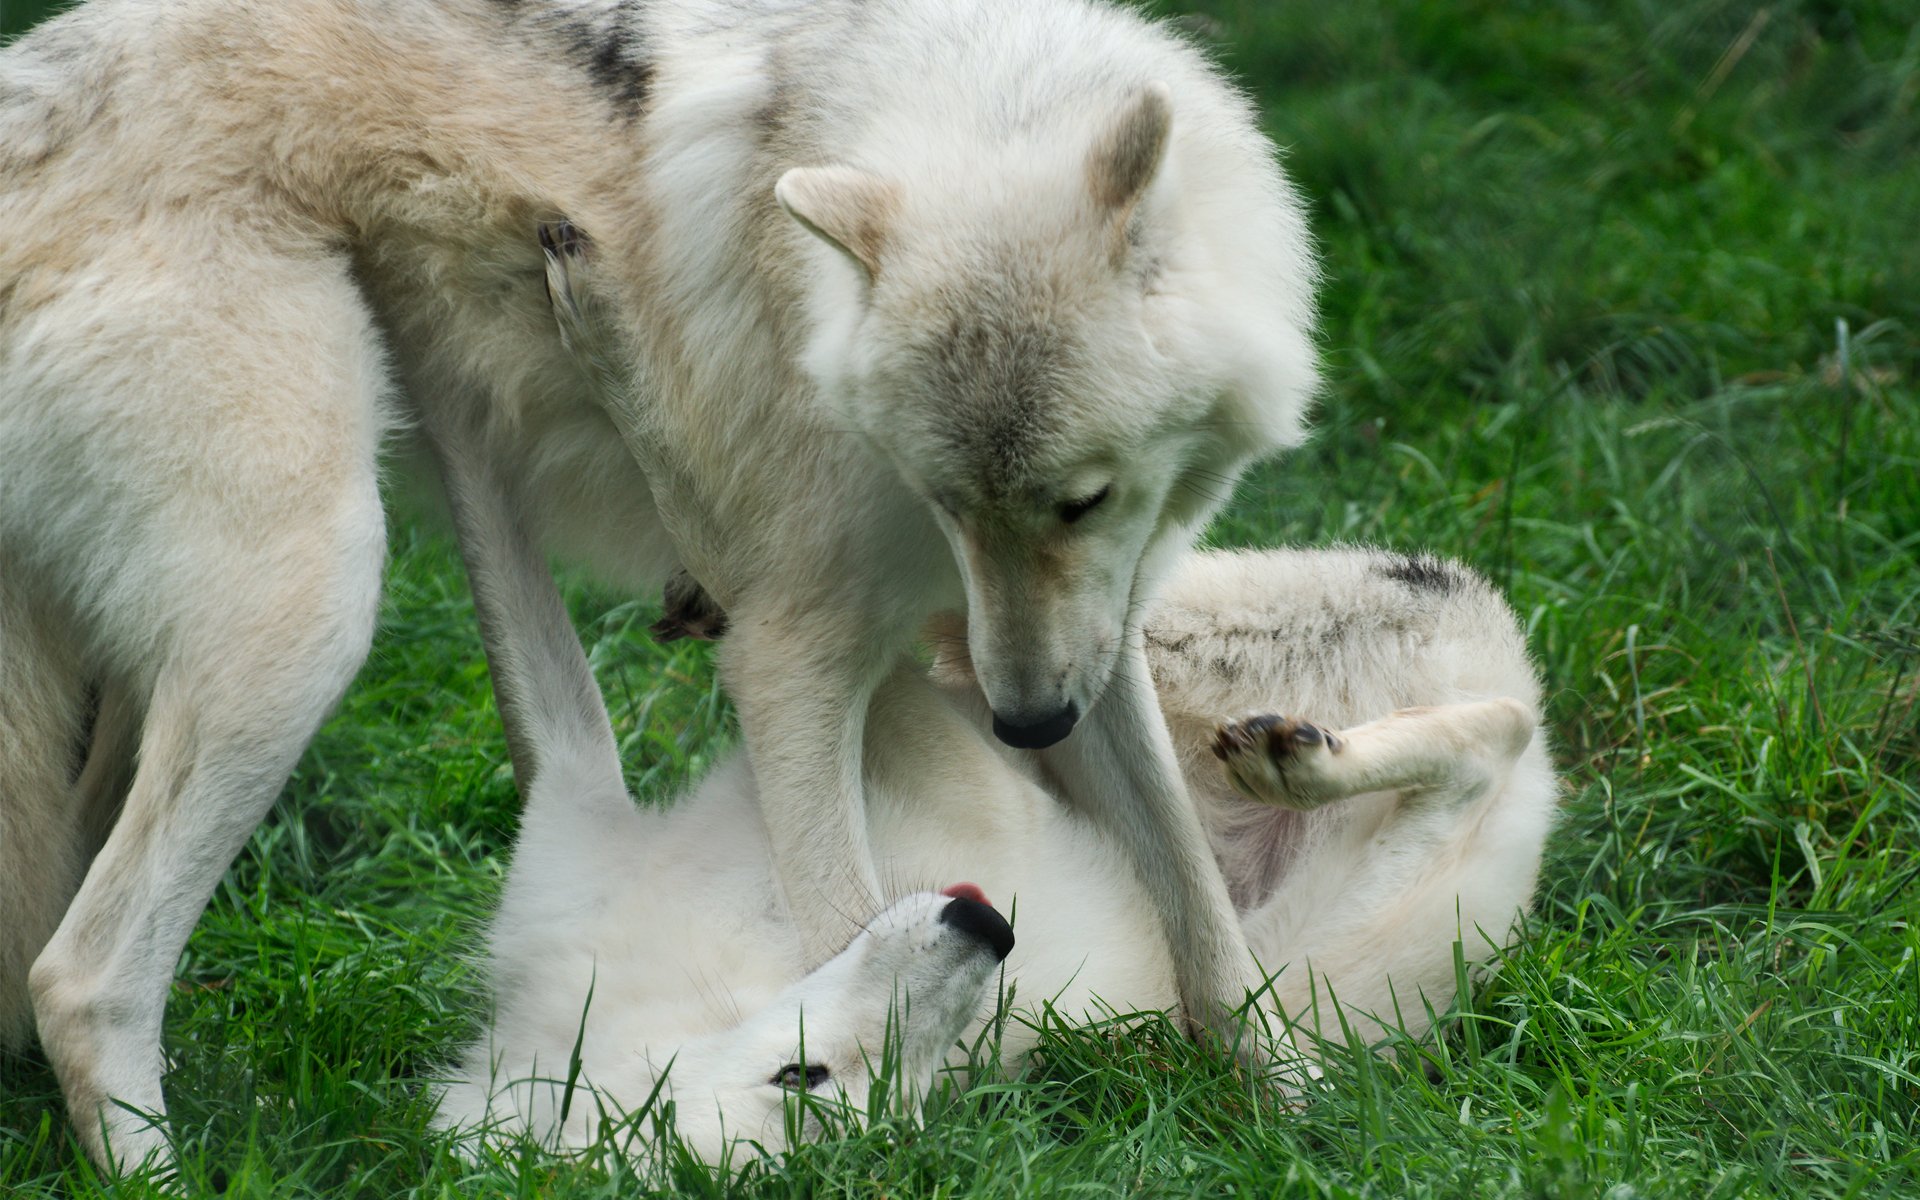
x=979, y=921
x=1040, y=734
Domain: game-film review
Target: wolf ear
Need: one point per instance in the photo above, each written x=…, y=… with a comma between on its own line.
x=844, y=207
x=1126, y=158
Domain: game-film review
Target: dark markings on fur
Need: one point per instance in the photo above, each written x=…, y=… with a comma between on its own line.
x=776, y=114
x=770, y=119
x=607, y=46
x=1177, y=645
x=60, y=42
x=615, y=60
x=1421, y=572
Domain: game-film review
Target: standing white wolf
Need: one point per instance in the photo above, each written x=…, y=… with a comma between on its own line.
x=1037, y=294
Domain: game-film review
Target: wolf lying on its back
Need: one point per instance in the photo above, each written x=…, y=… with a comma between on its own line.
x=657, y=944
x=916, y=306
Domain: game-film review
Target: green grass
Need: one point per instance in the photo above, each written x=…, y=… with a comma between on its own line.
x=1624, y=307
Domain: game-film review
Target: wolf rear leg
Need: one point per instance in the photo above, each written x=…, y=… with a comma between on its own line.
x=232, y=510
x=42, y=856
x=225, y=723
x=219, y=740
x=1445, y=755
x=1438, y=847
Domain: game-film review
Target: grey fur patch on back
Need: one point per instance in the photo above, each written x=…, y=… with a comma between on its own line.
x=1421, y=572
x=607, y=44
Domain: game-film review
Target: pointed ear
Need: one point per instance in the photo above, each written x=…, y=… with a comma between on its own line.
x=846, y=208
x=1127, y=156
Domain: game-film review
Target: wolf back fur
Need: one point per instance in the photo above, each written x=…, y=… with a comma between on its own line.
x=891, y=287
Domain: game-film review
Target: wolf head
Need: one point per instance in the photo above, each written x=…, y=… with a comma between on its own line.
x=872, y=1026
x=1070, y=358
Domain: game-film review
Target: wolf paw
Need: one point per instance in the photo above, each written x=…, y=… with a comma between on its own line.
x=1277, y=760
x=691, y=613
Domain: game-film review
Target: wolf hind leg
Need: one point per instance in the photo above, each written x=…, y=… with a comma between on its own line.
x=227, y=720
x=42, y=837
x=1450, y=807
x=228, y=542
x=1443, y=755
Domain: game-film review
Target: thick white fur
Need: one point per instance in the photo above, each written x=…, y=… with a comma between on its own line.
x=234, y=226
x=641, y=956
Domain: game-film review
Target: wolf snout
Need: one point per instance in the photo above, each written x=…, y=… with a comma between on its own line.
x=1038, y=734
x=979, y=921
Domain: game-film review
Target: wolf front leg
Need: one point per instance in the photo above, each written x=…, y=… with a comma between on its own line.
x=1118, y=766
x=801, y=682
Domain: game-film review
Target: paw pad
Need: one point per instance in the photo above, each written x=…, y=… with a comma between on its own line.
x=1280, y=736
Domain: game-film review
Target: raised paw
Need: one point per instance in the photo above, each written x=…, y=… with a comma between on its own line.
x=1277, y=760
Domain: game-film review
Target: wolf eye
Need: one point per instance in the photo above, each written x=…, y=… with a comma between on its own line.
x=801, y=1076
x=1073, y=510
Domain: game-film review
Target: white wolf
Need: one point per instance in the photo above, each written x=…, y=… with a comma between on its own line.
x=648, y=955
x=917, y=305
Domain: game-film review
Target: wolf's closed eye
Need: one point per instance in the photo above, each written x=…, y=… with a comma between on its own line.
x=801, y=1076
x=1073, y=510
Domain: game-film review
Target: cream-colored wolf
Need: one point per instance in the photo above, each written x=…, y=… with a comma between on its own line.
x=914, y=305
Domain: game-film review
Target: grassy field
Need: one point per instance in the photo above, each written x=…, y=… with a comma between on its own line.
x=1624, y=308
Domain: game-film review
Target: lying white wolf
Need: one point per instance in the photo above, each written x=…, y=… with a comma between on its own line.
x=915, y=305
x=648, y=955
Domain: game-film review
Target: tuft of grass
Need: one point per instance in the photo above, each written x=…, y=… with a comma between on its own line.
x=1622, y=308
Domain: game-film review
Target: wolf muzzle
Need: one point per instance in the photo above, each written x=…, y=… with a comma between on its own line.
x=1040, y=734
x=980, y=922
